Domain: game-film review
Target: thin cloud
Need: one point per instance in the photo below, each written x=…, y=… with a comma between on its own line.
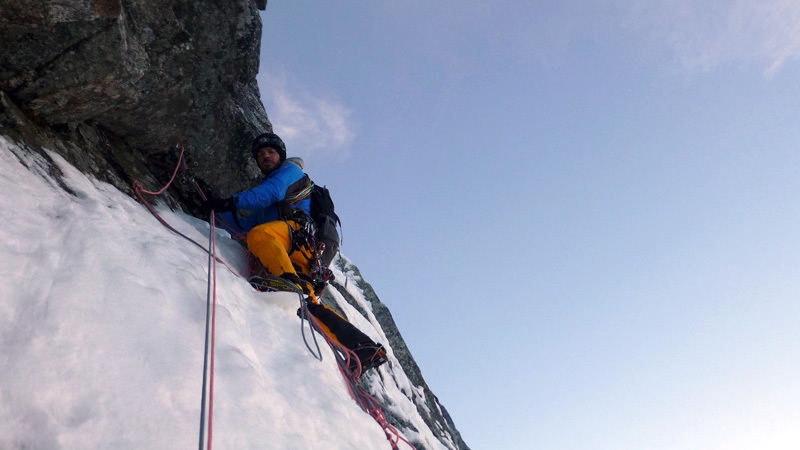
x=783, y=42
x=704, y=35
x=309, y=124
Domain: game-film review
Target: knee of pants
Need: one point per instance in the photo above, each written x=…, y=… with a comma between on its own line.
x=270, y=243
x=276, y=233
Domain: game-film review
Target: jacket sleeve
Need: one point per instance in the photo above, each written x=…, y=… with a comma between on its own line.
x=271, y=190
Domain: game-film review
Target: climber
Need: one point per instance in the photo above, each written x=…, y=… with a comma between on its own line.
x=276, y=235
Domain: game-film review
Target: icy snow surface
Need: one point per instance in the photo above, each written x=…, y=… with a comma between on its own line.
x=102, y=331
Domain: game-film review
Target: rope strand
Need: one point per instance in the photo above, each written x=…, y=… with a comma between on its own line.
x=305, y=314
x=207, y=396
x=365, y=400
x=139, y=189
x=208, y=355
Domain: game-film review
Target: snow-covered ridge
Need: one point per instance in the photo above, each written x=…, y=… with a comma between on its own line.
x=102, y=316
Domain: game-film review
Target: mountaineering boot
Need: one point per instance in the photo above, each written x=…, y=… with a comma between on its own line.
x=271, y=283
x=370, y=356
x=301, y=284
x=317, y=287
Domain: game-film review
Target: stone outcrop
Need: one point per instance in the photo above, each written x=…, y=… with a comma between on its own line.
x=140, y=76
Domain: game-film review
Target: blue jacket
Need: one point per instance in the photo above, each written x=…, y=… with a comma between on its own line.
x=260, y=204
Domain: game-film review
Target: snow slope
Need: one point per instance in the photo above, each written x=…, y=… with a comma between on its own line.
x=102, y=331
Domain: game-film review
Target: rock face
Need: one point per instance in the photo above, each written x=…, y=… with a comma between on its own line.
x=114, y=85
x=141, y=76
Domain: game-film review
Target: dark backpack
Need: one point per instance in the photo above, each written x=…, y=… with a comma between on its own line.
x=322, y=213
x=326, y=221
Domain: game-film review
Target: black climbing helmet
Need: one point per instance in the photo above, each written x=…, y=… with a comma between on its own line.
x=269, y=140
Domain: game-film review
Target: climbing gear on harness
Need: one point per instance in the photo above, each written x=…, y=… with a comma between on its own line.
x=317, y=232
x=322, y=213
x=304, y=239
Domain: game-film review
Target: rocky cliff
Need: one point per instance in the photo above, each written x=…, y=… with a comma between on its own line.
x=114, y=85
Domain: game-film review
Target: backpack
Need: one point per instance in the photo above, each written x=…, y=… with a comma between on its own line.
x=322, y=213
x=326, y=220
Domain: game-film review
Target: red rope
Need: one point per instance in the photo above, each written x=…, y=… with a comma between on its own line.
x=174, y=174
x=208, y=352
x=367, y=402
x=211, y=316
x=213, y=331
x=139, y=189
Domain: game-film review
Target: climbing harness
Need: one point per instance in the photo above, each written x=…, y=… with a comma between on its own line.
x=304, y=239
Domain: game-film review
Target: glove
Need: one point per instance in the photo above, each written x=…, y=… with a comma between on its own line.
x=219, y=205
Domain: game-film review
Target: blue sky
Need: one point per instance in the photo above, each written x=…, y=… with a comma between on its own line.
x=583, y=215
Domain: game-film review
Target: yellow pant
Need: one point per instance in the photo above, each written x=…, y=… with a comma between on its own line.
x=271, y=242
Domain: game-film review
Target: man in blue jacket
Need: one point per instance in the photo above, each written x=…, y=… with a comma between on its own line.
x=271, y=223
x=274, y=230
